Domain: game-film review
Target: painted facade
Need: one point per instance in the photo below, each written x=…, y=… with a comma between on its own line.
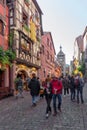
x=78, y=53
x=4, y=73
x=47, y=56
x=25, y=30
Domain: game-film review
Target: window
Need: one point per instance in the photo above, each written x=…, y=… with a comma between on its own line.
x=50, y=45
x=11, y=16
x=48, y=41
x=25, y=19
x=11, y=12
x=36, y=15
x=11, y=21
x=25, y=45
x=51, y=58
x=1, y=78
x=37, y=34
x=2, y=1
x=1, y=27
x=47, y=55
x=42, y=49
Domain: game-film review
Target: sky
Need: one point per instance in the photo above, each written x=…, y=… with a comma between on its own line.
x=66, y=20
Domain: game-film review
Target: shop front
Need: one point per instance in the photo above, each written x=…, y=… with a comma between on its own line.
x=25, y=73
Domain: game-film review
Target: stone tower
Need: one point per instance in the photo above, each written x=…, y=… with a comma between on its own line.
x=61, y=60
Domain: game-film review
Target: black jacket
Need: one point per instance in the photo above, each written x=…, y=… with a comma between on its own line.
x=34, y=86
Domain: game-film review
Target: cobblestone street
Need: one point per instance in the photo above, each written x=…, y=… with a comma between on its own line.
x=17, y=114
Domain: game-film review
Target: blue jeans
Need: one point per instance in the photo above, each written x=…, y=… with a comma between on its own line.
x=72, y=93
x=34, y=99
x=55, y=96
x=80, y=93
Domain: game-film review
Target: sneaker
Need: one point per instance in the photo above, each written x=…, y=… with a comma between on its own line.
x=34, y=104
x=47, y=115
x=50, y=112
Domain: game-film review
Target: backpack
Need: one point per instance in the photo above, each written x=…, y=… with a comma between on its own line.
x=77, y=82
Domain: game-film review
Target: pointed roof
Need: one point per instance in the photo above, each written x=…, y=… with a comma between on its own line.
x=60, y=52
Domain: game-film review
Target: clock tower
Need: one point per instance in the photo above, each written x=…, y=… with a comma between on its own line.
x=61, y=60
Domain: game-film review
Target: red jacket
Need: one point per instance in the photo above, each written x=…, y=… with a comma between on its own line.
x=56, y=86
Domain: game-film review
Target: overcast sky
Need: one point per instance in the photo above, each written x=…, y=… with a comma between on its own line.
x=66, y=20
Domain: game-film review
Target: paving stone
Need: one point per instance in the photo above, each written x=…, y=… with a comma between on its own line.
x=19, y=115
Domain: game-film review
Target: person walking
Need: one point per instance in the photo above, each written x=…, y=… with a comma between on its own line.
x=65, y=85
x=19, y=87
x=48, y=95
x=34, y=86
x=80, y=85
x=56, y=86
x=72, y=88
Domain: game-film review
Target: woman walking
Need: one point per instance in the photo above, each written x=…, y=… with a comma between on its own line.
x=48, y=95
x=56, y=86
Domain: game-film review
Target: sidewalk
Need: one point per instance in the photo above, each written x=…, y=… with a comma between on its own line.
x=17, y=114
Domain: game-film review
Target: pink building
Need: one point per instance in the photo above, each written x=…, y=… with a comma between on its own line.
x=4, y=30
x=47, y=56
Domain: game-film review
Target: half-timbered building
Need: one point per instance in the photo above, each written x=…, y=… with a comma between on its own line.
x=25, y=32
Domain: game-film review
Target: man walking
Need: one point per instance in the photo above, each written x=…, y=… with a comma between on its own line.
x=80, y=88
x=34, y=86
x=19, y=87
